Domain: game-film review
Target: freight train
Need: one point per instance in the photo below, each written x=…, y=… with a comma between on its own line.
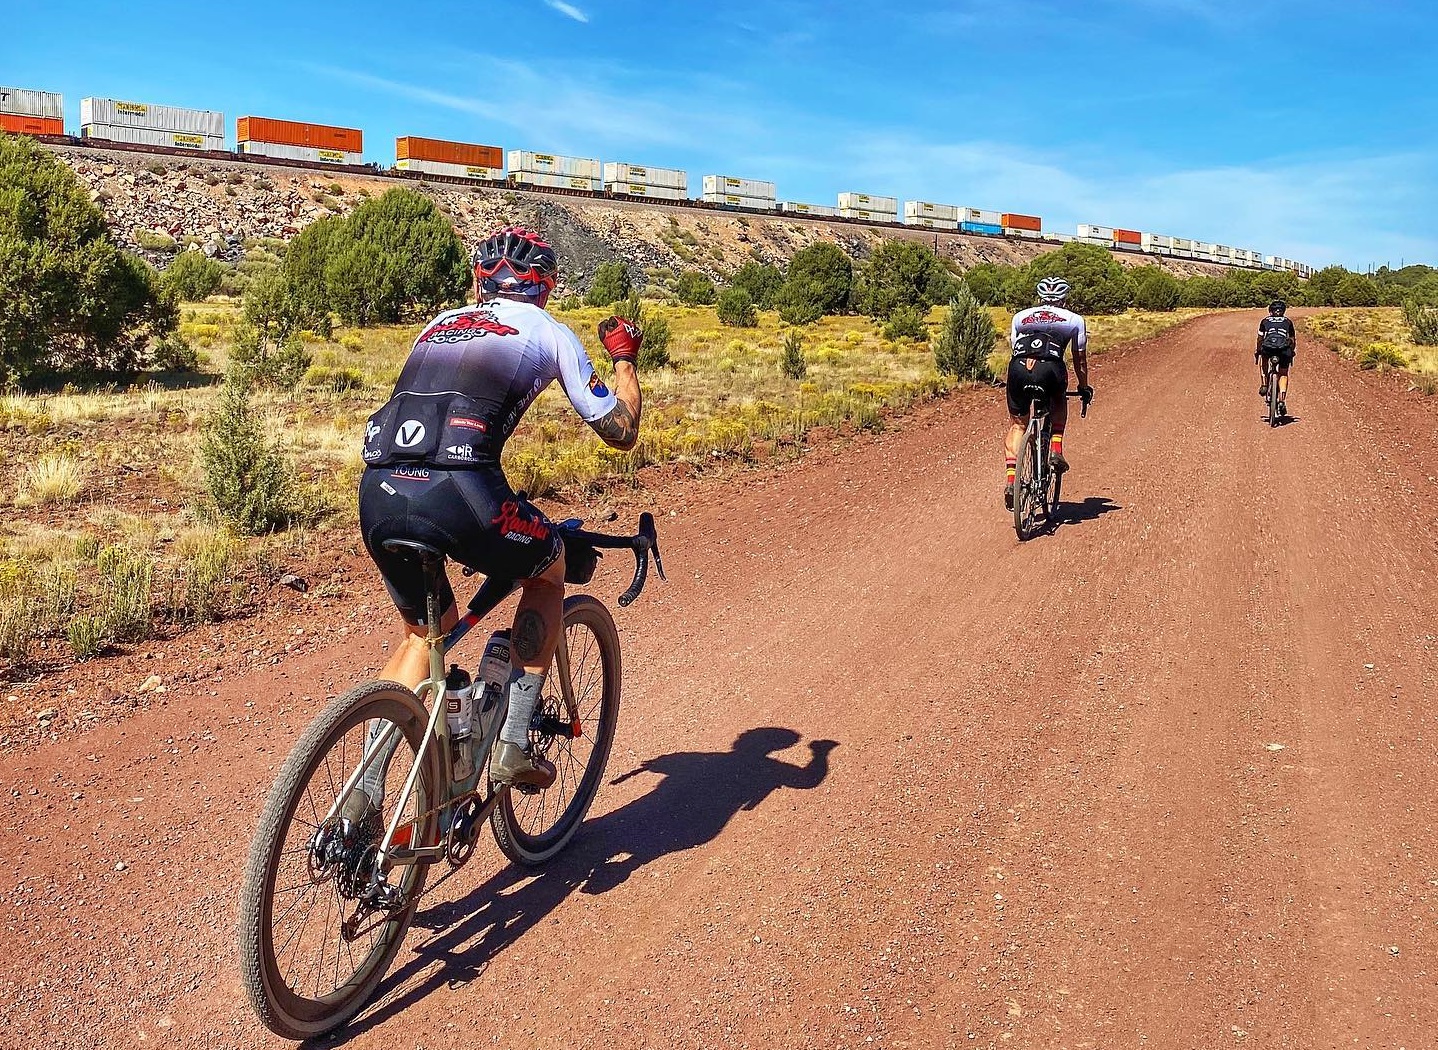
x=116, y=124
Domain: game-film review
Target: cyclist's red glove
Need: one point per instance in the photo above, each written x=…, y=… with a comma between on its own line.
x=622, y=338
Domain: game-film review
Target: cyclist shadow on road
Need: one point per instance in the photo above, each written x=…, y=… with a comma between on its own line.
x=1090, y=508
x=701, y=791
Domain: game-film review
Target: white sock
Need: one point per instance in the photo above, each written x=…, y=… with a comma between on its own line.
x=524, y=691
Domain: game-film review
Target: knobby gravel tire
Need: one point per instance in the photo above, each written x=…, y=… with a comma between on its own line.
x=521, y=825
x=280, y=1008
x=1025, y=480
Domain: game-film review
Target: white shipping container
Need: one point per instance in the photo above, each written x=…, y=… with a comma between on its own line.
x=561, y=182
x=552, y=164
x=152, y=137
x=1155, y=240
x=638, y=189
x=866, y=202
x=1202, y=248
x=461, y=171
x=869, y=216
x=1102, y=233
x=930, y=224
x=27, y=103
x=1107, y=243
x=928, y=210
x=310, y=154
x=1013, y=231
x=981, y=215
x=1062, y=238
x=816, y=210
x=117, y=114
x=733, y=200
x=728, y=186
x=1182, y=253
x=642, y=175
x=1184, y=243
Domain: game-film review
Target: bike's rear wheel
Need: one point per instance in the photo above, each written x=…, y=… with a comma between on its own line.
x=301, y=976
x=532, y=828
x=1029, y=495
x=1273, y=417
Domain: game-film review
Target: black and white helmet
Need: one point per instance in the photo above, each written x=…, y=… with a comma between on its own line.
x=1053, y=290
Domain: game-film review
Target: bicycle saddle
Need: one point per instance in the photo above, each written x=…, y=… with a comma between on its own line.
x=422, y=551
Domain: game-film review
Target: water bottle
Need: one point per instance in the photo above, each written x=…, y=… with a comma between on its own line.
x=493, y=680
x=458, y=711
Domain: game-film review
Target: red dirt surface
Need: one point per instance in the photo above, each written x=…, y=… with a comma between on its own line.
x=1162, y=778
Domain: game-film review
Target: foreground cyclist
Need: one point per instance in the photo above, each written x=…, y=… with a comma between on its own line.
x=433, y=475
x=1277, y=340
x=1041, y=363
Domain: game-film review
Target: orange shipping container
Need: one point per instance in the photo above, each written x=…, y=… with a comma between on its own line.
x=1021, y=222
x=412, y=147
x=19, y=124
x=295, y=133
x=1128, y=236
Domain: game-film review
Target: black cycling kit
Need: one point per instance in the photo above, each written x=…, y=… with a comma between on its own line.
x=432, y=453
x=1278, y=339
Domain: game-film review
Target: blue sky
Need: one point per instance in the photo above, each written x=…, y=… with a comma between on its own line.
x=1308, y=130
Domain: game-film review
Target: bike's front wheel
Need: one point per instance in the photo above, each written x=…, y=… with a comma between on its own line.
x=314, y=940
x=531, y=828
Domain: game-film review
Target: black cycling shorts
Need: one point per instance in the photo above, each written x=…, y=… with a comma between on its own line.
x=1283, y=357
x=471, y=515
x=1048, y=374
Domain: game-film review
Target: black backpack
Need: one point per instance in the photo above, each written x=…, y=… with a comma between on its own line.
x=1276, y=339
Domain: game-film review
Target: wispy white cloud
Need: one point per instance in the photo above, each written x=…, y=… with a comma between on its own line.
x=567, y=10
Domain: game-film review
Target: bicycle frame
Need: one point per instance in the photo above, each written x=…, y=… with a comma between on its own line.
x=430, y=692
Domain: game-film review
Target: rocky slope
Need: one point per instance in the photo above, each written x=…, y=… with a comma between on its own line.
x=217, y=206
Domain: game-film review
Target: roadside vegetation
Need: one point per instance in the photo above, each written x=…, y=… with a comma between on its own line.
x=1382, y=338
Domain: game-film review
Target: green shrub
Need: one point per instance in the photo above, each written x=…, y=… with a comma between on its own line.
x=694, y=289
x=986, y=282
x=192, y=277
x=246, y=474
x=1099, y=284
x=128, y=581
x=1381, y=356
x=611, y=284
x=761, y=281
x=906, y=322
x=819, y=281
x=1154, y=288
x=736, y=309
x=902, y=273
x=966, y=338
x=87, y=635
x=337, y=380
x=156, y=242
x=1356, y=290
x=172, y=353
x=792, y=362
x=1422, y=321
x=70, y=300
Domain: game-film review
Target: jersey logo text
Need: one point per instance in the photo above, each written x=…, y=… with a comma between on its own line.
x=467, y=326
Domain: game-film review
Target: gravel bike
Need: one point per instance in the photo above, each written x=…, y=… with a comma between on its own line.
x=1036, y=484
x=378, y=789
x=1276, y=413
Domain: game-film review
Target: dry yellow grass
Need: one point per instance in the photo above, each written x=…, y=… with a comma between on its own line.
x=1376, y=337
x=54, y=478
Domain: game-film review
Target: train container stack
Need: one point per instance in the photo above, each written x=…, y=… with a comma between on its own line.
x=144, y=124
x=641, y=180
x=298, y=140
x=813, y=211
x=868, y=207
x=527, y=168
x=1016, y=225
x=24, y=111
x=981, y=220
x=734, y=192
x=1091, y=234
x=1128, y=240
x=1156, y=243
x=931, y=216
x=1203, y=250
x=461, y=160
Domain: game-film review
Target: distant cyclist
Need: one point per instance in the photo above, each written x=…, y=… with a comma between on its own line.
x=1040, y=362
x=432, y=456
x=1277, y=339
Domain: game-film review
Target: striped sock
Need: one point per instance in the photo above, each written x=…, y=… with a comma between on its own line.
x=1056, y=444
x=1011, y=467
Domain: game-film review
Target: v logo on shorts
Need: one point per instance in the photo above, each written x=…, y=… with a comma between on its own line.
x=411, y=433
